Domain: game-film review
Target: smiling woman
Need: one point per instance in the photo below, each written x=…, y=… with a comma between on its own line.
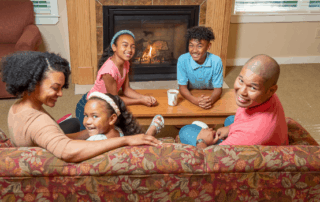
x=38, y=78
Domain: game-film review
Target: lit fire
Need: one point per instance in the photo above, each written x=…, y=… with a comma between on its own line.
x=148, y=56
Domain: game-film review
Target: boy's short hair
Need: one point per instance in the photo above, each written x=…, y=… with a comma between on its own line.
x=200, y=32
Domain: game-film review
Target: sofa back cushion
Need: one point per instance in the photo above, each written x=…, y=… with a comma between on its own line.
x=15, y=15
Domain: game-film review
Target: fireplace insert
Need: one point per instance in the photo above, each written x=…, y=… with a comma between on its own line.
x=159, y=36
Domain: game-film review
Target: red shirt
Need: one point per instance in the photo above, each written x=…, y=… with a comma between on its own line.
x=264, y=124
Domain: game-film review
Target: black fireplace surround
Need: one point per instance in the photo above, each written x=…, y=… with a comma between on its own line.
x=159, y=36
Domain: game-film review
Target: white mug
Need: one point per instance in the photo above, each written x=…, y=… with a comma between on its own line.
x=172, y=97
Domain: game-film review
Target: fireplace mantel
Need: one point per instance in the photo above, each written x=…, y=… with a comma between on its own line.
x=85, y=31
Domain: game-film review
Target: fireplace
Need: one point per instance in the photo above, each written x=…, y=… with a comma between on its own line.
x=159, y=35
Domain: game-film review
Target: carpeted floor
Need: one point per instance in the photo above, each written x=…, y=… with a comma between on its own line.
x=297, y=92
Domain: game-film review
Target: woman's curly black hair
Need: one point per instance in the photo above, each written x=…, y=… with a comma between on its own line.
x=200, y=33
x=126, y=122
x=22, y=71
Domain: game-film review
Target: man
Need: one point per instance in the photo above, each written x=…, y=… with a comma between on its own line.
x=260, y=117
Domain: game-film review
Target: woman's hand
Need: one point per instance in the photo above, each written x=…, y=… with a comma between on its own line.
x=142, y=139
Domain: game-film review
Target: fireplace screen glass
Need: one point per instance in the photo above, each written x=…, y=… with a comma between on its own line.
x=160, y=40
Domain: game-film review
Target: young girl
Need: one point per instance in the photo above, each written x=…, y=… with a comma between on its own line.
x=106, y=116
x=113, y=69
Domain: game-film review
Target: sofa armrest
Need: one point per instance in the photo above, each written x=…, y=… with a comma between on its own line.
x=298, y=135
x=30, y=39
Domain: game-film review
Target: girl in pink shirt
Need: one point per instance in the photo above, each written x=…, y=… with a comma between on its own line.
x=113, y=74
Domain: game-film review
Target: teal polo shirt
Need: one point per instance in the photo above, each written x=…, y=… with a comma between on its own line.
x=205, y=76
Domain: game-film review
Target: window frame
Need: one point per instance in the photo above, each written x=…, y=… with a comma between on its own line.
x=312, y=15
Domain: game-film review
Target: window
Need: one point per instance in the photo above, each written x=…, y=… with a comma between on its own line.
x=275, y=11
x=46, y=12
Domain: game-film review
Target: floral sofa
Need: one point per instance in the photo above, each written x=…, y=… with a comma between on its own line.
x=170, y=172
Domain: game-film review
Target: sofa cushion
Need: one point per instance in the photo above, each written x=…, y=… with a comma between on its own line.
x=15, y=16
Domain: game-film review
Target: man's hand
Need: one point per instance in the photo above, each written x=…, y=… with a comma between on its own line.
x=209, y=136
x=223, y=132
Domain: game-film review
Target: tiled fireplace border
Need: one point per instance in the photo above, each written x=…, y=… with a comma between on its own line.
x=85, y=30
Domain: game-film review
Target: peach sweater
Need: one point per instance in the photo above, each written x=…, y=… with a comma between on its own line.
x=31, y=128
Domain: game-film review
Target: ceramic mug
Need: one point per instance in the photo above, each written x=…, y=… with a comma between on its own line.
x=172, y=97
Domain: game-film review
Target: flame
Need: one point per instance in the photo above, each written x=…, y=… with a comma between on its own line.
x=149, y=54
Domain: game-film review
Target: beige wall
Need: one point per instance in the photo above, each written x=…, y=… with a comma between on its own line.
x=56, y=37
x=275, y=39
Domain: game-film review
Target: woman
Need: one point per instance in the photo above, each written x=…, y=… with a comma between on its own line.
x=39, y=79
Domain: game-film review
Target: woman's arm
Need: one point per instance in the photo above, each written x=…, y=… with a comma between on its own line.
x=82, y=135
x=79, y=150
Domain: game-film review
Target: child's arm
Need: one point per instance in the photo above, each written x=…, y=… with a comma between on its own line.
x=207, y=101
x=110, y=83
x=111, y=87
x=184, y=91
x=133, y=97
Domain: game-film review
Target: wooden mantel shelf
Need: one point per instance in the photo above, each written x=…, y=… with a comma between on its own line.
x=83, y=35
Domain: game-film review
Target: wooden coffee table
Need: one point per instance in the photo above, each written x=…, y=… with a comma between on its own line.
x=185, y=112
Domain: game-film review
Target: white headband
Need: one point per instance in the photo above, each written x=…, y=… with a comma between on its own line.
x=107, y=99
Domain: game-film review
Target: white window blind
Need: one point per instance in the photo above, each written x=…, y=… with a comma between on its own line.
x=46, y=11
x=272, y=6
x=251, y=11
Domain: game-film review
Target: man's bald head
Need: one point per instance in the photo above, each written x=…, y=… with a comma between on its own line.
x=266, y=67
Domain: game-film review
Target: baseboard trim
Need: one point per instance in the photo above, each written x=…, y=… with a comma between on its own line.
x=280, y=60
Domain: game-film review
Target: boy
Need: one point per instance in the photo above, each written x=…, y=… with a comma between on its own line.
x=199, y=69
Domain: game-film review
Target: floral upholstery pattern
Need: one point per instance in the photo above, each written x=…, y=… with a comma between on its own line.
x=169, y=172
